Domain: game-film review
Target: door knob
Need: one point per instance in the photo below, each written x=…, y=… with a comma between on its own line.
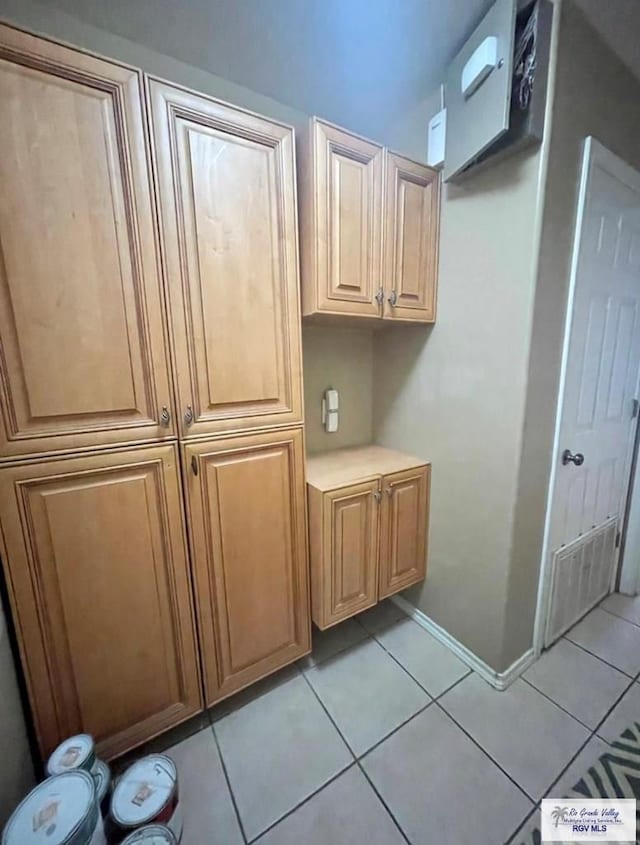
x=569, y=458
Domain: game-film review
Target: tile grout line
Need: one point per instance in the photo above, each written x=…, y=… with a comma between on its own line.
x=229, y=787
x=559, y=706
x=612, y=708
x=334, y=654
x=382, y=801
x=485, y=752
x=593, y=654
x=432, y=701
x=357, y=760
x=593, y=735
x=392, y=732
x=300, y=804
x=413, y=678
x=436, y=700
x=570, y=763
x=617, y=615
x=520, y=828
x=301, y=672
x=454, y=684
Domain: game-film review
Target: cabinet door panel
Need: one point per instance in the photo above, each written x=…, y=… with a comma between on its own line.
x=227, y=201
x=405, y=515
x=82, y=345
x=97, y=567
x=346, y=567
x=249, y=541
x=411, y=245
x=348, y=174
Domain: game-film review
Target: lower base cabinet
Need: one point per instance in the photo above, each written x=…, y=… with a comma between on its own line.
x=95, y=555
x=403, y=529
x=248, y=533
x=95, y=558
x=368, y=522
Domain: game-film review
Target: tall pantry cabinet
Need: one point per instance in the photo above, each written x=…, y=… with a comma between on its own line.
x=226, y=193
x=151, y=471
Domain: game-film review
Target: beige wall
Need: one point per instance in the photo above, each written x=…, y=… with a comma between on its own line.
x=477, y=393
x=408, y=135
x=595, y=95
x=342, y=359
x=454, y=394
x=47, y=20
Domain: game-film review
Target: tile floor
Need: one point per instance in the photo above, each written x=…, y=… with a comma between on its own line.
x=369, y=740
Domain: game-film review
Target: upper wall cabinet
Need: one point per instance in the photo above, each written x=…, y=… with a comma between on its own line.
x=228, y=222
x=82, y=347
x=411, y=242
x=341, y=180
x=369, y=229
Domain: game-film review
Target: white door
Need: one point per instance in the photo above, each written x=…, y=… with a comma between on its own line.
x=596, y=424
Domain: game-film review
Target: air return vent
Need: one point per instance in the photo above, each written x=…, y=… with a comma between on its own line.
x=581, y=576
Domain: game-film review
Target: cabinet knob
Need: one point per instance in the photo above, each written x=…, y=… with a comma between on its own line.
x=389, y=491
x=380, y=296
x=188, y=415
x=194, y=465
x=377, y=495
x=393, y=298
x=165, y=417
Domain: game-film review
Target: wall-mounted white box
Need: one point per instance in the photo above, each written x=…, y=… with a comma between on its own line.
x=436, y=139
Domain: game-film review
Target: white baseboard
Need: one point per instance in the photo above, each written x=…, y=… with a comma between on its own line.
x=499, y=680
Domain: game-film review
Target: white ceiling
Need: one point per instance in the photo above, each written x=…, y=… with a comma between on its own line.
x=618, y=22
x=358, y=62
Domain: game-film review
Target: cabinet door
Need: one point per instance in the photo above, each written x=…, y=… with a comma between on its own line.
x=246, y=502
x=344, y=551
x=95, y=559
x=405, y=517
x=348, y=179
x=82, y=345
x=227, y=206
x=411, y=241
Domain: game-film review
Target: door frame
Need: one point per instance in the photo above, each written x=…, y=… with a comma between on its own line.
x=593, y=153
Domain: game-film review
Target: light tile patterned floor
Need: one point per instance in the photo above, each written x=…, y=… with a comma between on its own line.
x=370, y=740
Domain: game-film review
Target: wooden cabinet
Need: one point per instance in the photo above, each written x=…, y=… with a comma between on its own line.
x=114, y=186
x=228, y=220
x=369, y=230
x=341, y=214
x=403, y=541
x=248, y=534
x=411, y=242
x=368, y=521
x=82, y=346
x=344, y=542
x=96, y=564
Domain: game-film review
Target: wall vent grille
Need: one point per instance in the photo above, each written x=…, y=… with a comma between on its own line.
x=581, y=576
